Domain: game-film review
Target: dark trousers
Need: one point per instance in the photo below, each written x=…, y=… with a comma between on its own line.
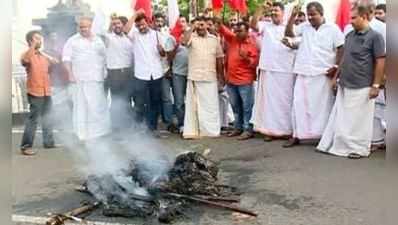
x=120, y=83
x=148, y=100
x=39, y=107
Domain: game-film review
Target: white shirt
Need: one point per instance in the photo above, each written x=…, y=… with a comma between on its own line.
x=119, y=51
x=317, y=50
x=147, y=60
x=87, y=57
x=274, y=55
x=375, y=24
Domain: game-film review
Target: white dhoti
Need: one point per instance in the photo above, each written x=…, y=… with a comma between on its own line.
x=273, y=103
x=379, y=123
x=202, y=113
x=350, y=125
x=312, y=103
x=226, y=113
x=91, y=116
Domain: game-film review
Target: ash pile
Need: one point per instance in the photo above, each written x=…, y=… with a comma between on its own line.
x=140, y=191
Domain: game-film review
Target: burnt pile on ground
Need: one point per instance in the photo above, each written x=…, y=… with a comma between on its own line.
x=142, y=191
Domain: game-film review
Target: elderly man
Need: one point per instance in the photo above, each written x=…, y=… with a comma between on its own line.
x=148, y=70
x=349, y=131
x=378, y=140
x=119, y=63
x=318, y=57
x=205, y=75
x=275, y=87
x=39, y=93
x=84, y=58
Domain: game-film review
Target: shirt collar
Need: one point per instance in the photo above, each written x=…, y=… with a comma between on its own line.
x=363, y=32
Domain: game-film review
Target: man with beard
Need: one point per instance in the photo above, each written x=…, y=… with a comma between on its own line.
x=380, y=12
x=276, y=81
x=39, y=93
x=84, y=56
x=148, y=70
x=119, y=62
x=205, y=75
x=317, y=60
x=349, y=130
x=242, y=60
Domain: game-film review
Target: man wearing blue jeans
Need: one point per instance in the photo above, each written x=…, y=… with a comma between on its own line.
x=242, y=55
x=177, y=54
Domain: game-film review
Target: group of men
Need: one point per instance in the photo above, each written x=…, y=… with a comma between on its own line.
x=296, y=79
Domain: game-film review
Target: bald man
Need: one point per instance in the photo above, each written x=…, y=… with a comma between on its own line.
x=84, y=59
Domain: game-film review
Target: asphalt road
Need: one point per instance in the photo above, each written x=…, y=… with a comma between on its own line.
x=294, y=186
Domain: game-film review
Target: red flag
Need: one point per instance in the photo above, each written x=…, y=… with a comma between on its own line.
x=146, y=5
x=217, y=5
x=343, y=16
x=174, y=21
x=238, y=5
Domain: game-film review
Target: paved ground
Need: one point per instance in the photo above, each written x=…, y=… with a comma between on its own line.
x=294, y=186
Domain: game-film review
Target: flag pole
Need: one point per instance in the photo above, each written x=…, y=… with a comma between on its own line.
x=223, y=12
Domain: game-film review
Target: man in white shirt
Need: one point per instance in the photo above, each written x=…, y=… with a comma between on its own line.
x=274, y=98
x=84, y=58
x=148, y=69
x=119, y=62
x=379, y=121
x=317, y=60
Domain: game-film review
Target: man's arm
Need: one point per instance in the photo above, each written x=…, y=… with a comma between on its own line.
x=333, y=72
x=25, y=58
x=130, y=22
x=289, y=31
x=186, y=40
x=220, y=70
x=258, y=13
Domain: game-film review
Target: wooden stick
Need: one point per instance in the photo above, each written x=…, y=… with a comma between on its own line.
x=211, y=203
x=59, y=219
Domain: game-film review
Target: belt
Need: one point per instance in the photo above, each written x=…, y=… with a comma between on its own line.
x=121, y=70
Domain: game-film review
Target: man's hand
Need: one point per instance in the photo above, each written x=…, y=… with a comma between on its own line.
x=244, y=54
x=287, y=41
x=331, y=73
x=161, y=50
x=334, y=85
x=373, y=93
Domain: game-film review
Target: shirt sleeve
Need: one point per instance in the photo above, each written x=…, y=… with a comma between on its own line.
x=379, y=48
x=132, y=33
x=227, y=33
x=169, y=44
x=219, y=51
x=298, y=30
x=67, y=51
x=339, y=38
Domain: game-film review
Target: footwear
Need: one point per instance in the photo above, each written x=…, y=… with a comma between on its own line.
x=245, y=136
x=172, y=129
x=375, y=148
x=157, y=134
x=354, y=156
x=234, y=133
x=268, y=138
x=291, y=142
x=53, y=146
x=27, y=151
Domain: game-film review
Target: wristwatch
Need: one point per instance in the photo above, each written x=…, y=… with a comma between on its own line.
x=376, y=86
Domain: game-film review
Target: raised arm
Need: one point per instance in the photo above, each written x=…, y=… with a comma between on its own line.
x=258, y=13
x=130, y=22
x=289, y=32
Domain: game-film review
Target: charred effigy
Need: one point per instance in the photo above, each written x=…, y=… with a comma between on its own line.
x=139, y=191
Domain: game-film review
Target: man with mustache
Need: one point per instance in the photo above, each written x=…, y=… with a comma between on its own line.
x=317, y=60
x=276, y=80
x=205, y=75
x=119, y=63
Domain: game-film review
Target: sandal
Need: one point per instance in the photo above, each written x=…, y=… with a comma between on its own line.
x=354, y=156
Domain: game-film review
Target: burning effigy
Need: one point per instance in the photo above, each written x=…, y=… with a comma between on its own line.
x=138, y=191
